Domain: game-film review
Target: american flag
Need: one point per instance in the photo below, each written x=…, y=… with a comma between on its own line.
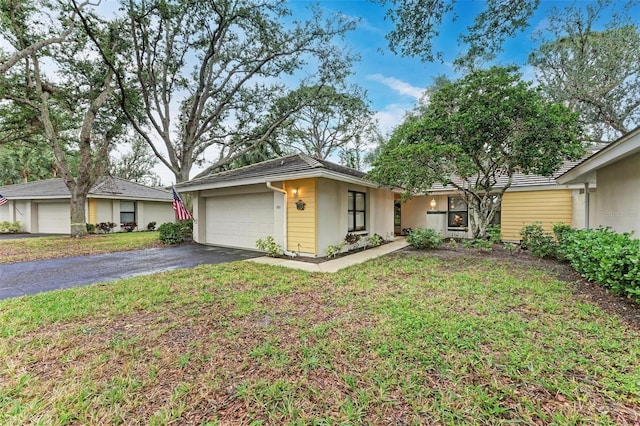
x=178, y=206
x=3, y=200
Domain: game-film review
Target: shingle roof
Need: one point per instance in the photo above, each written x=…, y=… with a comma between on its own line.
x=105, y=187
x=521, y=180
x=274, y=169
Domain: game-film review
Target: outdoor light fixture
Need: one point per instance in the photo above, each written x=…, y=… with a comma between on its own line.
x=294, y=192
x=433, y=204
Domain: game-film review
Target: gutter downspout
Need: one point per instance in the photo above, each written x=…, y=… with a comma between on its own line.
x=586, y=205
x=284, y=212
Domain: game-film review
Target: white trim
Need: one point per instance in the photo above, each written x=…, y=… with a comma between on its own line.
x=278, y=178
x=626, y=146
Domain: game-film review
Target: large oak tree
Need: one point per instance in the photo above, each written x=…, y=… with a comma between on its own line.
x=63, y=93
x=485, y=126
x=212, y=75
x=596, y=73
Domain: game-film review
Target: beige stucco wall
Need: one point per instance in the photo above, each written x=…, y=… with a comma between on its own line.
x=4, y=212
x=146, y=211
x=578, y=219
x=19, y=211
x=618, y=202
x=104, y=211
x=417, y=212
x=332, y=212
x=154, y=211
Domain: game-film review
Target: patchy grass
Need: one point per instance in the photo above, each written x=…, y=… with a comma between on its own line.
x=26, y=249
x=404, y=339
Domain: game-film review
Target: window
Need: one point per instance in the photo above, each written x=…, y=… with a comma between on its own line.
x=458, y=217
x=356, y=214
x=127, y=211
x=497, y=217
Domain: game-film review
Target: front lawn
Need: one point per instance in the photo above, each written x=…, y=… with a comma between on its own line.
x=404, y=339
x=26, y=249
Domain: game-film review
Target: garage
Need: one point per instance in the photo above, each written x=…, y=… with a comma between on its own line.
x=54, y=218
x=239, y=220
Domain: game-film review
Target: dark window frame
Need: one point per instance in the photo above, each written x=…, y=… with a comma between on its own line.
x=457, y=211
x=128, y=212
x=352, y=224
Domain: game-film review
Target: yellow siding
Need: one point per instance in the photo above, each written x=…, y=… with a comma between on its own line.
x=93, y=211
x=527, y=207
x=302, y=224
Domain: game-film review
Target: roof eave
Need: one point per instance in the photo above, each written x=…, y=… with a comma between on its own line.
x=314, y=173
x=584, y=172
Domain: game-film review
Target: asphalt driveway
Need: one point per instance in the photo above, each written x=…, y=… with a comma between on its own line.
x=19, y=279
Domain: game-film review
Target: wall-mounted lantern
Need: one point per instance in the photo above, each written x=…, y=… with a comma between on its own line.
x=433, y=203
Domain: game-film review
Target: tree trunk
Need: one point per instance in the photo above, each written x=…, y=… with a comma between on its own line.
x=78, y=217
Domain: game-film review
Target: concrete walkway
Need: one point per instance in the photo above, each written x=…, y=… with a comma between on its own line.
x=335, y=265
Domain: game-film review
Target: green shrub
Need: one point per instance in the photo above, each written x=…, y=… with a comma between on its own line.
x=91, y=228
x=422, y=238
x=129, y=226
x=269, y=245
x=352, y=240
x=9, y=227
x=334, y=250
x=495, y=233
x=375, y=240
x=174, y=233
x=480, y=244
x=606, y=257
x=537, y=241
x=105, y=227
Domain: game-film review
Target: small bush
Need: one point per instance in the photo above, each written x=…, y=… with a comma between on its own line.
x=375, y=240
x=129, y=226
x=151, y=226
x=9, y=227
x=91, y=228
x=333, y=251
x=537, y=241
x=480, y=244
x=269, y=245
x=422, y=238
x=175, y=233
x=105, y=227
x=495, y=234
x=352, y=240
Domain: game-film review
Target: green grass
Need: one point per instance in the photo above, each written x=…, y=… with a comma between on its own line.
x=404, y=339
x=26, y=249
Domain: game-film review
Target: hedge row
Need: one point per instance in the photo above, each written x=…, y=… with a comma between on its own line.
x=606, y=257
x=600, y=255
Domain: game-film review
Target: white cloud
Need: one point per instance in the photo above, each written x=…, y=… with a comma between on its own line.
x=392, y=116
x=399, y=86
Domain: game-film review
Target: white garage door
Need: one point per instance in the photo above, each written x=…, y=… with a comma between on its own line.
x=239, y=220
x=54, y=218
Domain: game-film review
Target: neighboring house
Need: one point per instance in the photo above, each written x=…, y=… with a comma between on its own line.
x=529, y=199
x=43, y=206
x=306, y=204
x=616, y=171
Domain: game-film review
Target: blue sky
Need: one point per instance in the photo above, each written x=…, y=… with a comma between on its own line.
x=395, y=83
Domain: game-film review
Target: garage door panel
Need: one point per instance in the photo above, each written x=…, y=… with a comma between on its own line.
x=239, y=220
x=54, y=218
